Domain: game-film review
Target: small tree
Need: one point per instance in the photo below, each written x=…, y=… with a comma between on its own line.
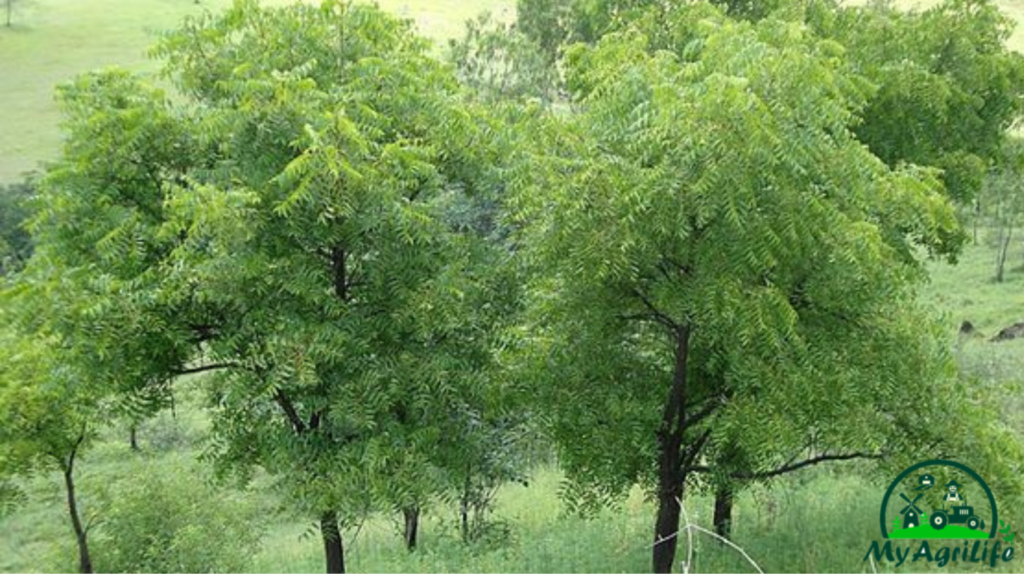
x=48, y=419
x=1003, y=199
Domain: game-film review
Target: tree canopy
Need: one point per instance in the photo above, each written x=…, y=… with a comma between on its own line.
x=721, y=262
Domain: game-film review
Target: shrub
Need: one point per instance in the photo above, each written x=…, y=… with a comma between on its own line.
x=167, y=519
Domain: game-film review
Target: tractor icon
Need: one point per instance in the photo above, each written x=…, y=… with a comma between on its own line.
x=959, y=512
x=956, y=515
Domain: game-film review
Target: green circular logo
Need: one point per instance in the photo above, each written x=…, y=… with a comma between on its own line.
x=954, y=520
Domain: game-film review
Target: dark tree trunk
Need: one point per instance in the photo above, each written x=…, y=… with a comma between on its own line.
x=723, y=512
x=464, y=518
x=412, y=526
x=84, y=559
x=666, y=526
x=464, y=504
x=334, y=552
x=671, y=475
x=133, y=440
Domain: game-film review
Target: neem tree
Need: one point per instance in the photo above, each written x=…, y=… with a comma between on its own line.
x=723, y=266
x=286, y=226
x=948, y=88
x=48, y=419
x=315, y=227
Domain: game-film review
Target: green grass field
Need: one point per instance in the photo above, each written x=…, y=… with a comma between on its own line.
x=53, y=40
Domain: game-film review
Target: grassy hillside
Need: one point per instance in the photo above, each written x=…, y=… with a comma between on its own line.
x=53, y=40
x=534, y=534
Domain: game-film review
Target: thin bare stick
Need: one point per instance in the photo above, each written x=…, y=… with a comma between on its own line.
x=689, y=538
x=730, y=543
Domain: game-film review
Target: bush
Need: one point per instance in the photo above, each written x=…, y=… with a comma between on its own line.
x=169, y=518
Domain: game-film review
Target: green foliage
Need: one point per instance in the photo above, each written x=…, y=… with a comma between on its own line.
x=168, y=518
x=948, y=88
x=46, y=414
x=286, y=222
x=715, y=193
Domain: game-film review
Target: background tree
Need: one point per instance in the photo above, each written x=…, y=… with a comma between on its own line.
x=48, y=419
x=948, y=88
x=15, y=241
x=496, y=62
x=1002, y=203
x=666, y=238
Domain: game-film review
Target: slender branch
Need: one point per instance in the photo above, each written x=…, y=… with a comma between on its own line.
x=805, y=463
x=658, y=315
x=207, y=368
x=289, y=410
x=703, y=413
x=339, y=269
x=694, y=450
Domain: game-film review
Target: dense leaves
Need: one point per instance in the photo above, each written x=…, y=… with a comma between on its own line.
x=723, y=266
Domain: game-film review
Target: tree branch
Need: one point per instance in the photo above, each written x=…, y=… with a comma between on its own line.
x=805, y=463
x=289, y=410
x=703, y=413
x=207, y=368
x=694, y=450
x=658, y=315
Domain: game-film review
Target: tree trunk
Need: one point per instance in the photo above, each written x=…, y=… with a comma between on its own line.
x=334, y=552
x=133, y=440
x=84, y=559
x=666, y=526
x=977, y=217
x=671, y=476
x=723, y=512
x=412, y=526
x=464, y=518
x=1004, y=248
x=10, y=5
x=464, y=504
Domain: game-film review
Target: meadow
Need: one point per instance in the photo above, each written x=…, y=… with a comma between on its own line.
x=51, y=41
x=818, y=520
